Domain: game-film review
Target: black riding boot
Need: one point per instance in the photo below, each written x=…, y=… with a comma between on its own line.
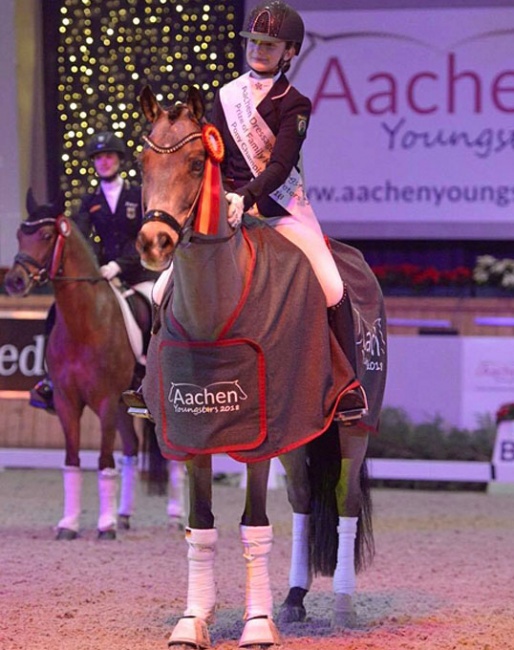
x=354, y=405
x=42, y=395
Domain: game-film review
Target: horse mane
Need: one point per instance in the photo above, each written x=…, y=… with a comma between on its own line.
x=79, y=241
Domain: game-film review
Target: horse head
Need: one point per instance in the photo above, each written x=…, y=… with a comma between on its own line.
x=39, y=245
x=174, y=161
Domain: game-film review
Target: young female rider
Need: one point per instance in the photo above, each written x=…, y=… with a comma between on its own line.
x=263, y=121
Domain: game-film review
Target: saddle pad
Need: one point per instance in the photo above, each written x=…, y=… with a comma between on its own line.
x=213, y=396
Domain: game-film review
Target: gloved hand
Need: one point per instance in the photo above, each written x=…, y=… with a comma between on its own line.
x=235, y=208
x=110, y=270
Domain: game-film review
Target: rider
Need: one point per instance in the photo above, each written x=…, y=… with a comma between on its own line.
x=110, y=218
x=263, y=122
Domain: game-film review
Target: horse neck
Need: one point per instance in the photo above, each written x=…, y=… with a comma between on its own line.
x=75, y=298
x=209, y=279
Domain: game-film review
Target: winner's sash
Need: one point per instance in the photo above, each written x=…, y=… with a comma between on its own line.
x=255, y=141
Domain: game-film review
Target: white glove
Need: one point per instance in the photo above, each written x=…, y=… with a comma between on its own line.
x=111, y=270
x=235, y=208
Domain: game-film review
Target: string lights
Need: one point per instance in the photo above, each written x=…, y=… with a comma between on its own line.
x=107, y=50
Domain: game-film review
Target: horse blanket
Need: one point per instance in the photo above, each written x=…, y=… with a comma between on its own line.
x=272, y=380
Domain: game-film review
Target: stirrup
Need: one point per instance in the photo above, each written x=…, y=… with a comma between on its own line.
x=136, y=404
x=352, y=407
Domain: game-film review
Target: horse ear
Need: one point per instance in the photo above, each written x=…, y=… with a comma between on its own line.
x=195, y=102
x=30, y=202
x=149, y=104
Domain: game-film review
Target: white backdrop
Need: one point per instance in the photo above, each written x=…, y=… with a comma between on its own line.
x=412, y=132
x=459, y=378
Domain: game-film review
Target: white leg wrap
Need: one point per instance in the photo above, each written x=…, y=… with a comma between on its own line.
x=300, y=574
x=344, y=575
x=72, y=482
x=201, y=589
x=129, y=471
x=107, y=494
x=257, y=543
x=176, y=490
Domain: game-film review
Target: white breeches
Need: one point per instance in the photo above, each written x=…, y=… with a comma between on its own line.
x=309, y=239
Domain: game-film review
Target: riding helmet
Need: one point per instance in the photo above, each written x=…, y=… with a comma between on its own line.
x=105, y=142
x=275, y=21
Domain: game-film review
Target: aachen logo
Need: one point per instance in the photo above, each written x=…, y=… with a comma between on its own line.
x=371, y=342
x=219, y=397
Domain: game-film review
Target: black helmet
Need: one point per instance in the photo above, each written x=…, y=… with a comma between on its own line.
x=275, y=21
x=104, y=143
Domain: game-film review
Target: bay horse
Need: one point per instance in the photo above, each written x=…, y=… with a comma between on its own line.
x=236, y=366
x=90, y=360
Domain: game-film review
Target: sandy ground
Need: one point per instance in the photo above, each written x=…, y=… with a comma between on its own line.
x=443, y=577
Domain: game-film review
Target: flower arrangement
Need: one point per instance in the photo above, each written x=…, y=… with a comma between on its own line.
x=418, y=278
x=505, y=413
x=494, y=272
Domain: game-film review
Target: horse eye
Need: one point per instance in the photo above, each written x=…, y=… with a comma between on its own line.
x=197, y=166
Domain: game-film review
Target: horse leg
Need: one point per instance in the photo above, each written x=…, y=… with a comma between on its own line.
x=292, y=609
x=68, y=526
x=176, y=493
x=107, y=474
x=129, y=468
x=349, y=506
x=201, y=537
x=257, y=540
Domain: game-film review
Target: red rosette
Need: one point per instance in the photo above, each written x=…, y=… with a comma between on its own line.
x=213, y=143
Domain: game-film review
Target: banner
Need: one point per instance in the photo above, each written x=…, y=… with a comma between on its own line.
x=22, y=350
x=412, y=129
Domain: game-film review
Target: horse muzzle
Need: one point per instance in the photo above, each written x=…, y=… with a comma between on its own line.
x=18, y=283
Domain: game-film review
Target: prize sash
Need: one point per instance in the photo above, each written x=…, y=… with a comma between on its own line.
x=256, y=140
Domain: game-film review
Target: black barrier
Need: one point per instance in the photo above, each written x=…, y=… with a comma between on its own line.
x=22, y=351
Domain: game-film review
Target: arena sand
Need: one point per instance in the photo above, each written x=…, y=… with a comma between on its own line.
x=442, y=579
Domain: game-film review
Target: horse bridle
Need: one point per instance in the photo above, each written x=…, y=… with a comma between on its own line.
x=161, y=215
x=165, y=217
x=51, y=268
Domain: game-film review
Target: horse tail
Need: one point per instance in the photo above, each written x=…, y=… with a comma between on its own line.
x=324, y=459
x=155, y=466
x=364, y=542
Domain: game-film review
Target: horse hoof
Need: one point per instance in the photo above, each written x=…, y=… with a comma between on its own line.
x=66, y=534
x=124, y=522
x=343, y=615
x=107, y=534
x=259, y=633
x=291, y=614
x=292, y=609
x=190, y=632
x=176, y=522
